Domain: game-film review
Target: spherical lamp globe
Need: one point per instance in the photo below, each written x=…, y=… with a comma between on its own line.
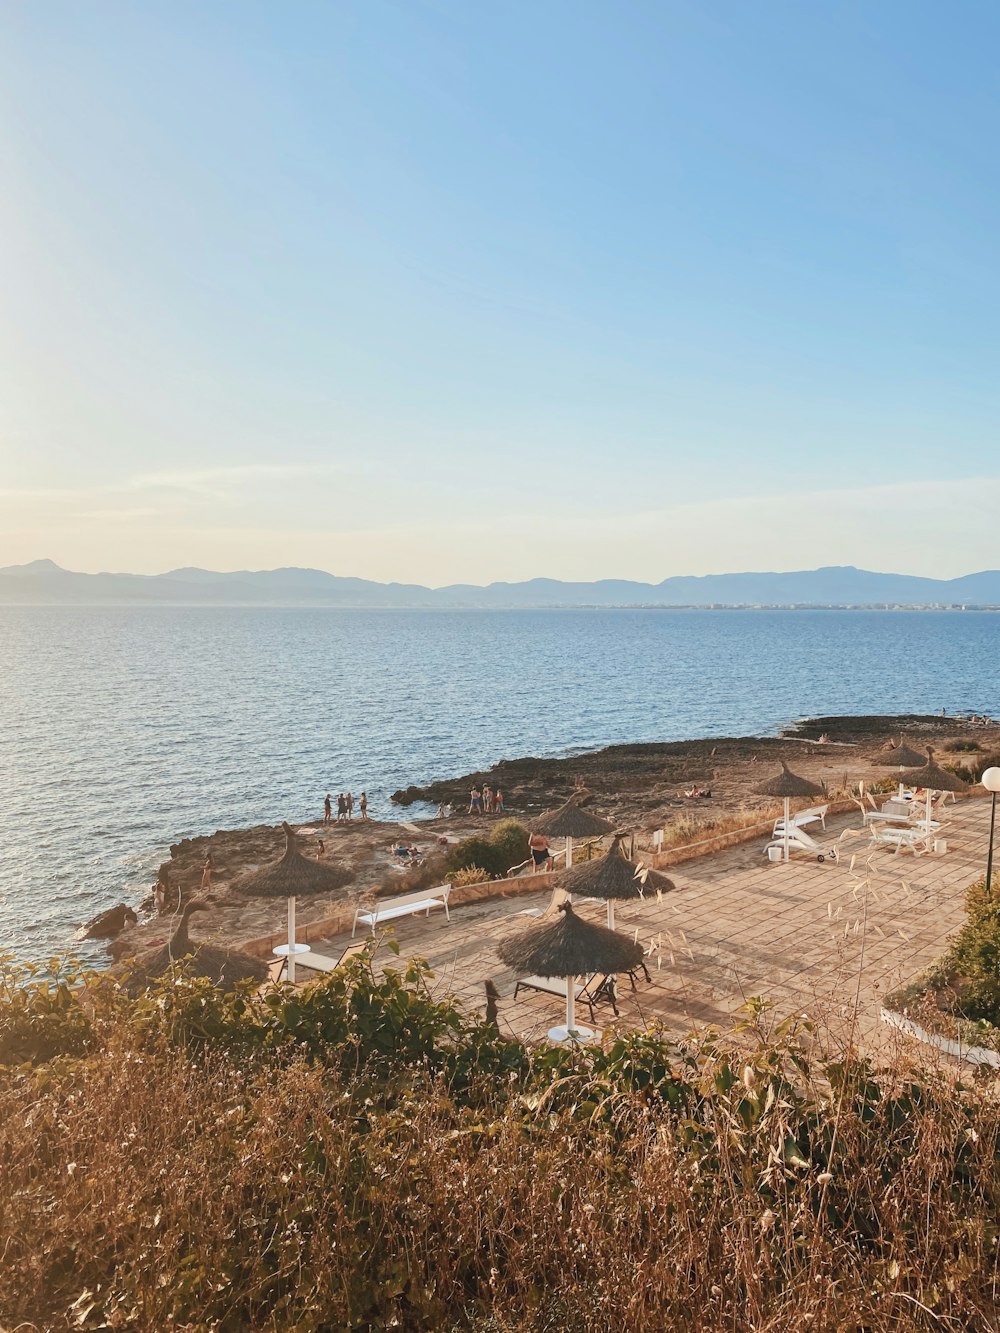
x=991, y=780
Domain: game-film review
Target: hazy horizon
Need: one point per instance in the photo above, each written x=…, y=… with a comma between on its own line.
x=441, y=293
x=541, y=576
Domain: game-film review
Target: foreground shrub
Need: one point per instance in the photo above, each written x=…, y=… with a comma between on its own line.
x=505, y=847
x=420, y=1172
x=973, y=962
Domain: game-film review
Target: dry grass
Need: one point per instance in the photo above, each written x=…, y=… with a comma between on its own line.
x=747, y=819
x=152, y=1185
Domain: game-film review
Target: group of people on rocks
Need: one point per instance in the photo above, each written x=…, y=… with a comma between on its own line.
x=345, y=807
x=487, y=801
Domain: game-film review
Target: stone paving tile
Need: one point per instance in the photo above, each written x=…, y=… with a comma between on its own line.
x=738, y=926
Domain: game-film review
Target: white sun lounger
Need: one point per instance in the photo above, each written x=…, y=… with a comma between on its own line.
x=799, y=841
x=815, y=814
x=321, y=963
x=915, y=840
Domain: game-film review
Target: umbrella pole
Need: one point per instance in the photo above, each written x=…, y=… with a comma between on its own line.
x=611, y=914
x=569, y=852
x=570, y=1004
x=291, y=939
x=788, y=805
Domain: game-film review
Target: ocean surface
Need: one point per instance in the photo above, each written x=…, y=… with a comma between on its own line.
x=125, y=729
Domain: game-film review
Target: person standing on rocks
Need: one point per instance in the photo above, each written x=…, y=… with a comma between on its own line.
x=363, y=805
x=498, y=802
x=475, y=802
x=327, y=809
x=341, y=808
x=487, y=799
x=350, y=805
x=206, y=872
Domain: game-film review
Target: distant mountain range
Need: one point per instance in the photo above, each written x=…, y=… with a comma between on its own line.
x=44, y=582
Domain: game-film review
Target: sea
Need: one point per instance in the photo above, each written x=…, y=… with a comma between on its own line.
x=125, y=729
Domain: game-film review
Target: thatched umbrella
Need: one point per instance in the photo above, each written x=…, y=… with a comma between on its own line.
x=899, y=756
x=614, y=877
x=933, y=778
x=788, y=784
x=571, y=821
x=223, y=966
x=292, y=876
x=570, y=947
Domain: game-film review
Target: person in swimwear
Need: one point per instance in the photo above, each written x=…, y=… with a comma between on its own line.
x=475, y=802
x=538, y=846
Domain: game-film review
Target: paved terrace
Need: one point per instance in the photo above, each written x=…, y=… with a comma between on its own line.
x=736, y=926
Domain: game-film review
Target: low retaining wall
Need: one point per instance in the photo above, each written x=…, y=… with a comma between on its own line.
x=717, y=842
x=973, y=1055
x=340, y=922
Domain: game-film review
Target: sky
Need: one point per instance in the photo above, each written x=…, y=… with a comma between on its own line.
x=438, y=291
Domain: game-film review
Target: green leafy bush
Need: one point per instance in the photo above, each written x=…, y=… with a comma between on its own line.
x=506, y=846
x=973, y=961
x=40, y=1016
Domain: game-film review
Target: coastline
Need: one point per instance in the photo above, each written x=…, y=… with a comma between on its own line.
x=638, y=787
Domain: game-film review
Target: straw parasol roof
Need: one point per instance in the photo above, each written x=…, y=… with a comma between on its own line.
x=899, y=756
x=934, y=778
x=789, y=784
x=569, y=947
x=613, y=876
x=223, y=966
x=571, y=821
x=292, y=875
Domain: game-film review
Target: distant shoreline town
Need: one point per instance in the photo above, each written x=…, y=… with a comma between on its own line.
x=42, y=582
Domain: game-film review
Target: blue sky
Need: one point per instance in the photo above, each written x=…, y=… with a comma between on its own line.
x=442, y=291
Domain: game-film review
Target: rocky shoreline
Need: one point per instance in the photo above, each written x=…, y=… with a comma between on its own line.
x=639, y=787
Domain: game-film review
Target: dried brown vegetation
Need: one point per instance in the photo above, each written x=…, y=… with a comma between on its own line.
x=358, y=1155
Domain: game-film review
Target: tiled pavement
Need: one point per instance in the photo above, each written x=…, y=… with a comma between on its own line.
x=803, y=935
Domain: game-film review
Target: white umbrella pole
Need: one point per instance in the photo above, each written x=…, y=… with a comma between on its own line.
x=569, y=852
x=570, y=1003
x=291, y=939
x=928, y=815
x=611, y=914
x=787, y=817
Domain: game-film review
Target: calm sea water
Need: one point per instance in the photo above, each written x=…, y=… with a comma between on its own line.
x=123, y=730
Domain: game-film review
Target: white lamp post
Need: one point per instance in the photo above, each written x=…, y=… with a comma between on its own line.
x=991, y=781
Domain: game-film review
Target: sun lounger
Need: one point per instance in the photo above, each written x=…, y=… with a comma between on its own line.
x=815, y=814
x=798, y=841
x=388, y=909
x=556, y=986
x=321, y=963
x=593, y=990
x=916, y=840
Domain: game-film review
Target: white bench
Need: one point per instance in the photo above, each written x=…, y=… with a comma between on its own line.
x=387, y=909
